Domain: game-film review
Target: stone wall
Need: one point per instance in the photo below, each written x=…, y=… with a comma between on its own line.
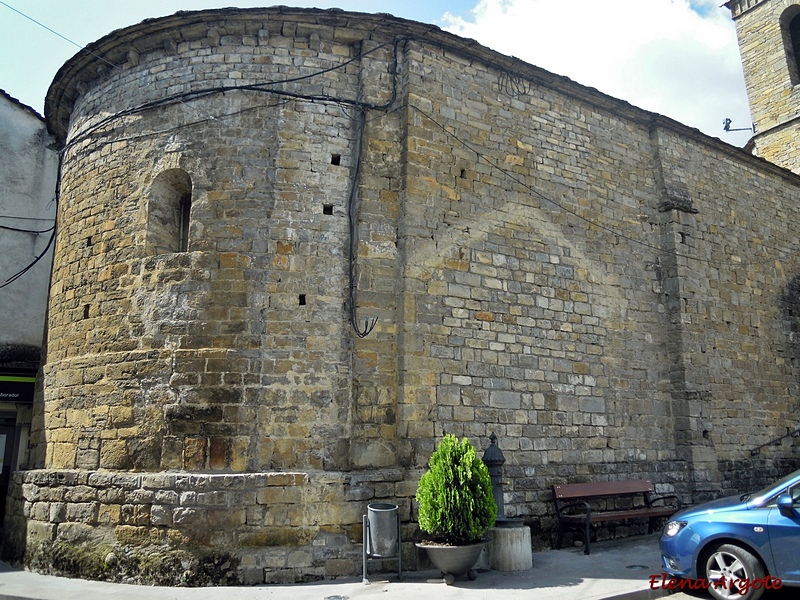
x=270, y=527
x=610, y=292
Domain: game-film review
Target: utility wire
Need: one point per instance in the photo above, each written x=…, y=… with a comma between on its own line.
x=52, y=231
x=17, y=229
x=560, y=206
x=352, y=217
x=264, y=87
x=26, y=218
x=77, y=45
x=512, y=84
x=22, y=272
x=269, y=87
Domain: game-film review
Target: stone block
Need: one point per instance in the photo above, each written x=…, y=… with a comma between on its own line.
x=134, y=536
x=217, y=453
x=58, y=512
x=76, y=532
x=510, y=549
x=340, y=567
x=194, y=453
x=62, y=456
x=227, y=518
x=158, y=481
x=188, y=517
x=215, y=498
x=166, y=497
x=252, y=575
x=280, y=495
x=30, y=492
x=109, y=514
x=39, y=532
x=160, y=515
x=300, y=559
x=80, y=493
x=39, y=511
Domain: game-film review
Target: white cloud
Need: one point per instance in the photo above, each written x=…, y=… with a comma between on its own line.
x=674, y=57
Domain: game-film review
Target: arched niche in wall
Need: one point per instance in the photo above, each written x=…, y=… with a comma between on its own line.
x=168, y=212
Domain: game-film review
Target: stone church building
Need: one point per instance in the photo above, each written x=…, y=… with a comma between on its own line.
x=296, y=246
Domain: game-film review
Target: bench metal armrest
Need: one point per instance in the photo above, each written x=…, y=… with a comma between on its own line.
x=561, y=508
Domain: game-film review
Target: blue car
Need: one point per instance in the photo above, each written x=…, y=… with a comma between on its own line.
x=736, y=547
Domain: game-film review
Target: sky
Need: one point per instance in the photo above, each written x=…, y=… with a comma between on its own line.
x=678, y=58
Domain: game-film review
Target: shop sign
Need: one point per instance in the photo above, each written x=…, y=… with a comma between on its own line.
x=16, y=388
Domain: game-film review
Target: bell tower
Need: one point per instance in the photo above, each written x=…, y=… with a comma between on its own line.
x=769, y=43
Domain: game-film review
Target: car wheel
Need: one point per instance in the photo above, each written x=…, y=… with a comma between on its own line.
x=733, y=572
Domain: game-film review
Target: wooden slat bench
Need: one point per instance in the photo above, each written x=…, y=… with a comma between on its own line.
x=573, y=502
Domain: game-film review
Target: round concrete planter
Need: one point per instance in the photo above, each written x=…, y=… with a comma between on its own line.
x=454, y=561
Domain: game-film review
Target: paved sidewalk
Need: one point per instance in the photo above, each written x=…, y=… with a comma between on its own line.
x=618, y=569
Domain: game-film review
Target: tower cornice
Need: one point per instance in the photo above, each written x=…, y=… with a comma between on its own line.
x=739, y=7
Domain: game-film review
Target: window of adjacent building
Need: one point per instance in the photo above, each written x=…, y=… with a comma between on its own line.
x=169, y=212
x=790, y=22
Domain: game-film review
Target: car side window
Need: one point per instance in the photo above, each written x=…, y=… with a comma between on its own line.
x=794, y=492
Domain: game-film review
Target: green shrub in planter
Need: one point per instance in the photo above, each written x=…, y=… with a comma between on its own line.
x=456, y=505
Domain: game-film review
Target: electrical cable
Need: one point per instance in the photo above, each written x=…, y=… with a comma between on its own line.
x=267, y=87
x=26, y=218
x=83, y=48
x=223, y=117
x=22, y=272
x=352, y=218
x=42, y=25
x=256, y=87
x=52, y=230
x=513, y=84
x=572, y=212
x=6, y=227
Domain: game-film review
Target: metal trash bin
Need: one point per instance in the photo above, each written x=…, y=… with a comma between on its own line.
x=382, y=521
x=381, y=539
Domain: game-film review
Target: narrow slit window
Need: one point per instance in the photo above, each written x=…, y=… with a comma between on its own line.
x=336, y=159
x=301, y=299
x=185, y=211
x=327, y=209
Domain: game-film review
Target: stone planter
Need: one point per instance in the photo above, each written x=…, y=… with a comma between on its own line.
x=454, y=561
